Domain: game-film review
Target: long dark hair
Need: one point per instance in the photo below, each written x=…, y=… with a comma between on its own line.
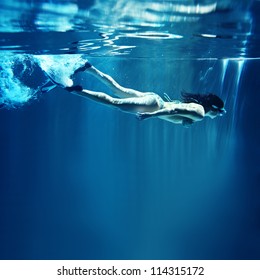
x=210, y=102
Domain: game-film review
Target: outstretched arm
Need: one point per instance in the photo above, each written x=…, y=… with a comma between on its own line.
x=191, y=111
x=161, y=112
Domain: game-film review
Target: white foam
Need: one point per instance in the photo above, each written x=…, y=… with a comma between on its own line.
x=12, y=91
x=60, y=67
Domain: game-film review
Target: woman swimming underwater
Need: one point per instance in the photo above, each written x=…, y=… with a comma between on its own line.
x=192, y=108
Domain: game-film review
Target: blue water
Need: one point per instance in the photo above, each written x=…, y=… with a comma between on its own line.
x=82, y=181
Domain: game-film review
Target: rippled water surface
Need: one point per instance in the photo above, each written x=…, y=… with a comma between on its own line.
x=176, y=29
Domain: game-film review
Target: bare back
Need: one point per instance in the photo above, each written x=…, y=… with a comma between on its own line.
x=183, y=112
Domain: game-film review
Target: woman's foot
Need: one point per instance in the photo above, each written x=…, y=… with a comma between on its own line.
x=83, y=68
x=74, y=88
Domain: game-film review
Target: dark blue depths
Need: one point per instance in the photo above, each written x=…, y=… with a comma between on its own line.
x=82, y=181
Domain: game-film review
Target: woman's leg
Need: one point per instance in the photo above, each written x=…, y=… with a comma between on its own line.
x=147, y=103
x=117, y=89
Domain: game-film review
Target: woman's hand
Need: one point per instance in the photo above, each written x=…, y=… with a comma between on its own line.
x=141, y=116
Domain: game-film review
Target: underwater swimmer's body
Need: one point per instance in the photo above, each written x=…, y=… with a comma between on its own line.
x=193, y=108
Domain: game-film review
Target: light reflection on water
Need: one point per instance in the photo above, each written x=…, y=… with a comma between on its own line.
x=192, y=28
